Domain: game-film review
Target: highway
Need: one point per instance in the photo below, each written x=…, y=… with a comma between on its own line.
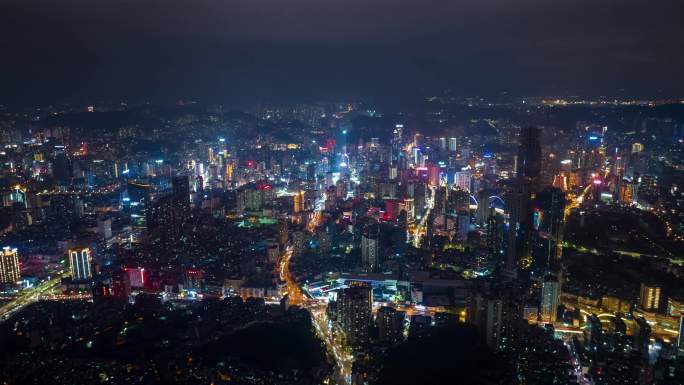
x=29, y=296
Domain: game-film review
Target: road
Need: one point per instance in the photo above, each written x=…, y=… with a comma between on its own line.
x=29, y=296
x=421, y=228
x=574, y=362
x=332, y=339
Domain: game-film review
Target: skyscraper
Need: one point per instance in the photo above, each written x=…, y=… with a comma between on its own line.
x=181, y=192
x=548, y=220
x=10, y=272
x=80, y=259
x=163, y=221
x=355, y=316
x=298, y=201
x=518, y=208
x=550, y=299
x=462, y=225
x=462, y=180
x=370, y=246
x=139, y=206
x=529, y=155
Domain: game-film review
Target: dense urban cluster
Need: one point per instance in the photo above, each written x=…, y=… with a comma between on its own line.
x=491, y=241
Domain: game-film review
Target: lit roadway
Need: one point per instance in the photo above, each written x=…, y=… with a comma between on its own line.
x=421, y=228
x=29, y=296
x=575, y=202
x=333, y=340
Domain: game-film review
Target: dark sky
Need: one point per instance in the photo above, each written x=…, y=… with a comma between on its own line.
x=279, y=50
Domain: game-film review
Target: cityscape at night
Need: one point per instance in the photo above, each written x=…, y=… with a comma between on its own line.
x=340, y=193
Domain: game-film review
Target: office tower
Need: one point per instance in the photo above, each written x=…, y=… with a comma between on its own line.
x=410, y=208
x=453, y=144
x=298, y=202
x=529, y=155
x=355, y=317
x=433, y=175
x=648, y=185
x=494, y=235
x=462, y=180
x=180, y=186
x=483, y=206
x=164, y=219
x=390, y=323
x=548, y=220
x=462, y=225
x=61, y=167
x=80, y=260
x=442, y=143
x=10, y=271
x=440, y=200
x=550, y=299
x=649, y=297
x=139, y=204
x=393, y=172
x=519, y=210
x=254, y=196
x=370, y=246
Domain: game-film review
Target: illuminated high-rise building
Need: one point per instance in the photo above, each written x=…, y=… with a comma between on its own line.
x=518, y=208
x=550, y=299
x=229, y=170
x=462, y=180
x=355, y=317
x=453, y=144
x=80, y=261
x=390, y=324
x=298, y=201
x=10, y=272
x=649, y=297
x=139, y=204
x=433, y=175
x=462, y=225
x=370, y=247
x=181, y=192
x=637, y=148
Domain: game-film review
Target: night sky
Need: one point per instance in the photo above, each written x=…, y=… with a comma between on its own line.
x=302, y=50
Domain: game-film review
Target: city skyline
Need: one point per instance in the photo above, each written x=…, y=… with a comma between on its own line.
x=307, y=192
